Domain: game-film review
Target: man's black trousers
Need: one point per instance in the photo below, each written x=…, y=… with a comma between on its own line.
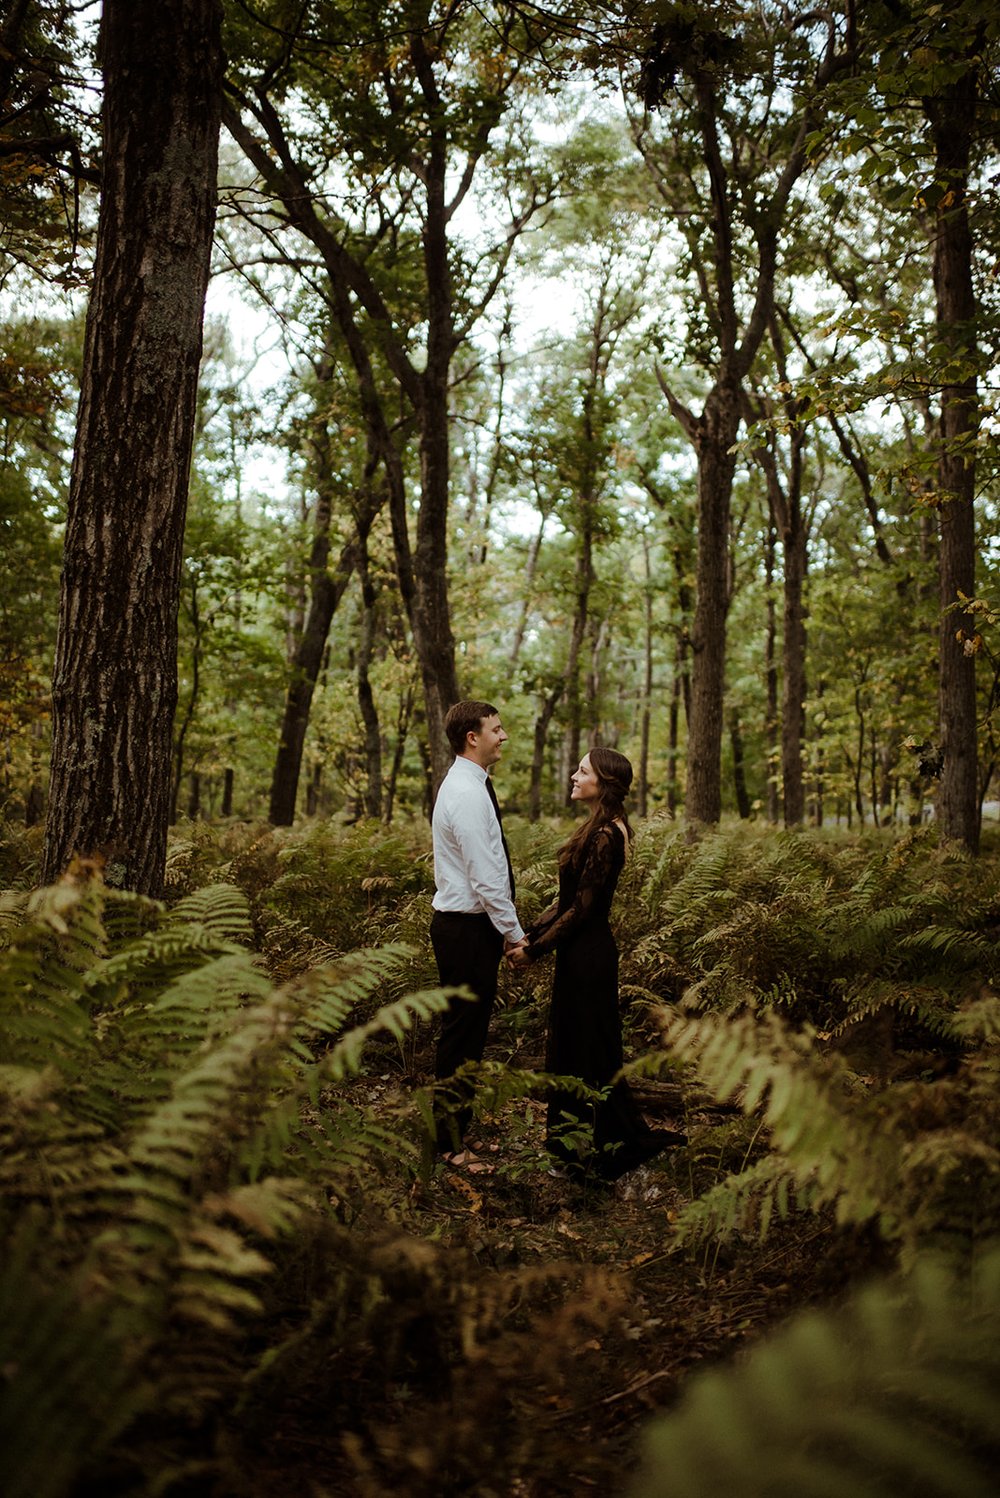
x=468, y=949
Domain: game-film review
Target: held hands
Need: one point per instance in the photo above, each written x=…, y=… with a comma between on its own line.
x=517, y=953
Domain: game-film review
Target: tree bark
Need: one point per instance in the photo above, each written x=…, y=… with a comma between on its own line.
x=952, y=120
x=115, y=678
x=771, y=674
x=646, y=704
x=366, y=697
x=717, y=432
x=325, y=595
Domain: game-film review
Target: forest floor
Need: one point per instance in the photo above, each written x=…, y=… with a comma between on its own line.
x=529, y=1327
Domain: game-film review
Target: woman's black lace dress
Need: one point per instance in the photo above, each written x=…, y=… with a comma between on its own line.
x=585, y=1032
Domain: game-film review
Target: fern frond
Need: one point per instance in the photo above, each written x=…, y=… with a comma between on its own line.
x=980, y=1020
x=222, y=910
x=838, y=1152
x=741, y=1205
x=895, y=1393
x=392, y=1019
x=66, y=1392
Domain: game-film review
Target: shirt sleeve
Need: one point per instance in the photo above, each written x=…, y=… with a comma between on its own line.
x=546, y=934
x=481, y=848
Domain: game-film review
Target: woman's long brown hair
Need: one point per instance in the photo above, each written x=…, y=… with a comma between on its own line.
x=614, y=776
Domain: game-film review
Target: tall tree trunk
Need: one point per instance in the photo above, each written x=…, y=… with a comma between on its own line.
x=325, y=594
x=794, y=691
x=646, y=705
x=718, y=430
x=539, y=742
x=115, y=679
x=366, y=697
x=403, y=716
x=771, y=674
x=673, y=733
x=187, y=717
x=739, y=770
x=952, y=119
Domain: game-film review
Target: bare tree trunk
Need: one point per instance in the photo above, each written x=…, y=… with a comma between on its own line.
x=366, y=697
x=646, y=706
x=718, y=430
x=312, y=788
x=187, y=717
x=677, y=693
x=952, y=119
x=402, y=729
x=539, y=742
x=739, y=771
x=325, y=595
x=794, y=693
x=771, y=673
x=115, y=679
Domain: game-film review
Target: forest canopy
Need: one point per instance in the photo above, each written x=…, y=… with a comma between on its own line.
x=633, y=365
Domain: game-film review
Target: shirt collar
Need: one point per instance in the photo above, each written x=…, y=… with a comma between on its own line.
x=469, y=764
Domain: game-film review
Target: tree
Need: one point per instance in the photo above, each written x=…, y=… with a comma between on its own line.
x=373, y=177
x=46, y=142
x=726, y=166
x=115, y=680
x=951, y=113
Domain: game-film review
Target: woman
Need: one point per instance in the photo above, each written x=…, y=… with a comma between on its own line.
x=585, y=1033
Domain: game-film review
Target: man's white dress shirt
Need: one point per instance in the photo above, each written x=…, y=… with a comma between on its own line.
x=470, y=868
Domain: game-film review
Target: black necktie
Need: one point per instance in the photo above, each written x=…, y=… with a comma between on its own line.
x=506, y=851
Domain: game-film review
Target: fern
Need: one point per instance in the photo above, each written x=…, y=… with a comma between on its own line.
x=156, y=1075
x=66, y=1392
x=893, y=1395
x=837, y=1146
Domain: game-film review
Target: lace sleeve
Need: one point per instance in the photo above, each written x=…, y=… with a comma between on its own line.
x=545, y=920
x=598, y=869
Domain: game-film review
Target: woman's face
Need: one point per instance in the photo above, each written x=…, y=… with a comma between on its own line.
x=586, y=782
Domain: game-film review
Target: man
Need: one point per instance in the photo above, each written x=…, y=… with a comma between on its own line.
x=474, y=919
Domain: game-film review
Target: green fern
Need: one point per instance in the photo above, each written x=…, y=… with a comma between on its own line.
x=895, y=1394
x=156, y=1077
x=67, y=1392
x=835, y=1145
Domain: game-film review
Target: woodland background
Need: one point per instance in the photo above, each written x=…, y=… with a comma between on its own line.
x=635, y=368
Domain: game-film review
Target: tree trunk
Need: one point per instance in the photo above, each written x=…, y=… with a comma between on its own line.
x=187, y=717
x=646, y=706
x=115, y=679
x=228, y=778
x=312, y=789
x=402, y=729
x=739, y=772
x=716, y=467
x=673, y=736
x=325, y=596
x=794, y=692
x=952, y=119
x=366, y=697
x=771, y=674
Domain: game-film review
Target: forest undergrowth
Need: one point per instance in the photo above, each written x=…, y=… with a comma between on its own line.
x=230, y=1265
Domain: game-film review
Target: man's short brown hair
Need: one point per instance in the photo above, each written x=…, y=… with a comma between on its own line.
x=464, y=718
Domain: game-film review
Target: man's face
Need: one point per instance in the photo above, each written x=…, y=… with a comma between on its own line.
x=485, y=746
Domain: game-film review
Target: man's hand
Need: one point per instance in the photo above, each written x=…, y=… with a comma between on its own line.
x=516, y=952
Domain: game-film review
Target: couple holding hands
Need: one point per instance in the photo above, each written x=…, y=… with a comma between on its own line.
x=475, y=923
